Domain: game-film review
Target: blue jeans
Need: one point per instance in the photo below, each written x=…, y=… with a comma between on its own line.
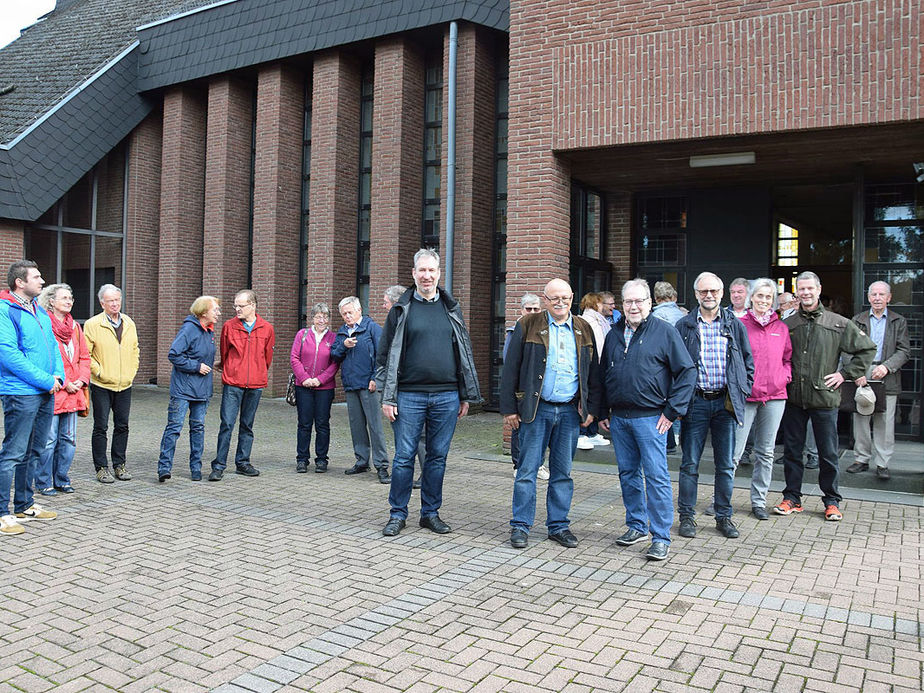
x=313, y=408
x=55, y=460
x=555, y=427
x=643, y=475
x=438, y=411
x=704, y=417
x=824, y=423
x=176, y=413
x=236, y=400
x=26, y=420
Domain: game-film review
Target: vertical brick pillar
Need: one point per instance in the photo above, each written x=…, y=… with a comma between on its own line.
x=142, y=238
x=331, y=261
x=397, y=167
x=12, y=246
x=277, y=206
x=229, y=131
x=182, y=187
x=475, y=124
x=619, y=239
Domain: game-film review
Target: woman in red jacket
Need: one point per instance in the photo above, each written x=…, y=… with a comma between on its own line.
x=314, y=379
x=51, y=474
x=772, y=351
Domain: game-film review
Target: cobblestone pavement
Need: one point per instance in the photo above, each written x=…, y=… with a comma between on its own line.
x=284, y=583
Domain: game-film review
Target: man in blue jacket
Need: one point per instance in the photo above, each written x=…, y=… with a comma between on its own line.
x=355, y=349
x=648, y=378
x=31, y=372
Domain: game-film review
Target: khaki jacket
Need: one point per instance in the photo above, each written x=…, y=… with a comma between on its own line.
x=113, y=364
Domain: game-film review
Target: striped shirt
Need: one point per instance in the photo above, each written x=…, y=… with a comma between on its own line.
x=713, y=354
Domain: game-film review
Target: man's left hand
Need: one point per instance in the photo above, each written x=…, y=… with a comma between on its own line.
x=371, y=386
x=463, y=409
x=834, y=380
x=664, y=424
x=879, y=372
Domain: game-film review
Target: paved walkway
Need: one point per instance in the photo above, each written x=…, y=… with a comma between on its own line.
x=284, y=583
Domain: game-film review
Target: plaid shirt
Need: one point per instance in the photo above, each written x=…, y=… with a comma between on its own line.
x=713, y=353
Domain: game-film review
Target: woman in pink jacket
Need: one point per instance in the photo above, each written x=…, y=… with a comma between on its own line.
x=314, y=392
x=772, y=353
x=51, y=473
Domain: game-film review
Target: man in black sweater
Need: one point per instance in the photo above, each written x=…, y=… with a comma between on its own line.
x=426, y=372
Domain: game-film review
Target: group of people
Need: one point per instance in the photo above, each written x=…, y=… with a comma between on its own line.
x=737, y=372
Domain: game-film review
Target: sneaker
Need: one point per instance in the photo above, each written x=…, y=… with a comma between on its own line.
x=36, y=512
x=759, y=512
x=631, y=536
x=687, y=527
x=657, y=551
x=216, y=474
x=301, y=467
x=599, y=440
x=857, y=467
x=883, y=473
x=811, y=462
x=121, y=474
x=9, y=526
x=67, y=488
x=727, y=528
x=787, y=507
x=833, y=513
x=247, y=470
x=584, y=443
x=50, y=491
x=103, y=476
x=543, y=473
x=195, y=476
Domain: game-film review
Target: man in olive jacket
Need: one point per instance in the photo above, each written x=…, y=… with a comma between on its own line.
x=819, y=337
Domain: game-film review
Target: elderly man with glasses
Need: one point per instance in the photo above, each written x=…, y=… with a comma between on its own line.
x=549, y=387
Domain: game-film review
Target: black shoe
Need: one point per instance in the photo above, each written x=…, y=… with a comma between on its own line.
x=356, y=469
x=418, y=482
x=435, y=524
x=883, y=473
x=632, y=536
x=216, y=475
x=811, y=463
x=393, y=527
x=857, y=467
x=247, y=470
x=565, y=538
x=195, y=476
x=727, y=528
x=320, y=467
x=687, y=527
x=163, y=477
x=383, y=476
x=518, y=538
x=301, y=467
x=657, y=551
x=760, y=513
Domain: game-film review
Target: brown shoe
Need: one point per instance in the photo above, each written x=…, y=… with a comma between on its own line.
x=883, y=473
x=857, y=467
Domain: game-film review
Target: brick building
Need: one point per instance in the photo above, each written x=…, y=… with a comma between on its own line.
x=307, y=149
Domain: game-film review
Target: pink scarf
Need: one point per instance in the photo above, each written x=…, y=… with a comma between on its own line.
x=765, y=319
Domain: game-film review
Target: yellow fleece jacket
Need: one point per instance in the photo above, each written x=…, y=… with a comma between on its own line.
x=113, y=364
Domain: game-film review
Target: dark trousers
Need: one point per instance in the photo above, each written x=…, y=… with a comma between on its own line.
x=120, y=404
x=824, y=423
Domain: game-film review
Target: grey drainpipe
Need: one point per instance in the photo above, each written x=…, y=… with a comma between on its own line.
x=451, y=156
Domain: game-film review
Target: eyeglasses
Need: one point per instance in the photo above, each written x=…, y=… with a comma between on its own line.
x=634, y=301
x=714, y=292
x=532, y=309
x=239, y=306
x=558, y=300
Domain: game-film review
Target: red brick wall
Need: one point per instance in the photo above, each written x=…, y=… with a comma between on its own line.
x=397, y=167
x=181, y=215
x=619, y=227
x=12, y=246
x=277, y=207
x=142, y=239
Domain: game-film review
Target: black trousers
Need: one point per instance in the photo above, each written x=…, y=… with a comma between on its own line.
x=120, y=404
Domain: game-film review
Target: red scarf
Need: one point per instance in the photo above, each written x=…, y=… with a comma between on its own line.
x=63, y=329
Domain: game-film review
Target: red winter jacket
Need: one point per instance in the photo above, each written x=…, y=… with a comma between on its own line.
x=75, y=368
x=246, y=356
x=772, y=352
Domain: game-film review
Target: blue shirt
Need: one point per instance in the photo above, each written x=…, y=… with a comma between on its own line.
x=877, y=328
x=713, y=353
x=560, y=383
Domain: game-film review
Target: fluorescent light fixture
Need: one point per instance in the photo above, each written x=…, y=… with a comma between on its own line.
x=731, y=159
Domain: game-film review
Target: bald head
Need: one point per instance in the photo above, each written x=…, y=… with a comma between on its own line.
x=557, y=296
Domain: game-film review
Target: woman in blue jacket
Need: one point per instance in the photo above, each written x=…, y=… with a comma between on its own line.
x=192, y=355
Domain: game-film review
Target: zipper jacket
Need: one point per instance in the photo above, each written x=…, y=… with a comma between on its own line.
x=772, y=352
x=29, y=355
x=312, y=359
x=246, y=356
x=357, y=365
x=113, y=364
x=192, y=346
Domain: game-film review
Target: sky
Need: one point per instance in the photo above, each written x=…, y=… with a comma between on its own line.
x=18, y=14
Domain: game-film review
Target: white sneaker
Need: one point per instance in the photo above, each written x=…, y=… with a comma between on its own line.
x=584, y=443
x=9, y=526
x=543, y=473
x=36, y=512
x=598, y=440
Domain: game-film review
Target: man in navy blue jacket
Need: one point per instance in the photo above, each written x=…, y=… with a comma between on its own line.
x=648, y=378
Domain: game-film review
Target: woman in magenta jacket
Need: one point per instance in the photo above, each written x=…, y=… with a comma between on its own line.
x=314, y=392
x=51, y=474
x=772, y=352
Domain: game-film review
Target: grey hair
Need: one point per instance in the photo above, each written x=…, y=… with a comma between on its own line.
x=768, y=283
x=426, y=252
x=320, y=307
x=50, y=292
x=349, y=299
x=701, y=275
x=808, y=275
x=636, y=282
x=528, y=300
x=741, y=281
x=251, y=296
x=879, y=281
x=393, y=293
x=105, y=289
x=664, y=291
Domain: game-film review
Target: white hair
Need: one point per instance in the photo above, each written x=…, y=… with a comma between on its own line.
x=105, y=289
x=348, y=300
x=764, y=282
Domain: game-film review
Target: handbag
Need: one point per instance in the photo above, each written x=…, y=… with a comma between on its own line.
x=84, y=413
x=290, y=390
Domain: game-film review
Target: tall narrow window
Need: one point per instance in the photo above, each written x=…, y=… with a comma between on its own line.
x=661, y=241
x=306, y=199
x=365, y=186
x=499, y=240
x=433, y=151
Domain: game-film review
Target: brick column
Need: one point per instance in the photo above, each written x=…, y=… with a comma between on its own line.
x=142, y=238
x=331, y=261
x=277, y=206
x=619, y=239
x=229, y=131
x=12, y=246
x=397, y=167
x=475, y=124
x=182, y=214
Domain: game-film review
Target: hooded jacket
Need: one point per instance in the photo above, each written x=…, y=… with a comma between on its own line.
x=772, y=352
x=896, y=349
x=246, y=356
x=113, y=363
x=29, y=356
x=192, y=346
